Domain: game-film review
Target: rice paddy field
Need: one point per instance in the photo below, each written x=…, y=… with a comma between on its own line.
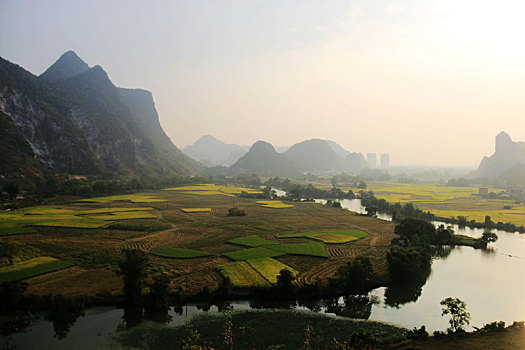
x=196, y=249
x=31, y=268
x=445, y=201
x=275, y=204
x=261, y=272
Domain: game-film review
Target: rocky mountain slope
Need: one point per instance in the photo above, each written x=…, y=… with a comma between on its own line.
x=76, y=121
x=508, y=159
x=263, y=160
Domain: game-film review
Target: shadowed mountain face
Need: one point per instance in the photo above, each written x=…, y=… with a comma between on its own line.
x=507, y=160
x=263, y=160
x=67, y=66
x=211, y=151
x=76, y=121
x=314, y=155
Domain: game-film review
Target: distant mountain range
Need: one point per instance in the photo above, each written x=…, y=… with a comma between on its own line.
x=507, y=162
x=72, y=119
x=212, y=152
x=313, y=155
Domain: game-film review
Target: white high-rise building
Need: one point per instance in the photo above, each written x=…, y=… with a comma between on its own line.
x=371, y=159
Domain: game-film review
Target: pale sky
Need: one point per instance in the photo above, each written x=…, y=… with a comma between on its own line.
x=430, y=82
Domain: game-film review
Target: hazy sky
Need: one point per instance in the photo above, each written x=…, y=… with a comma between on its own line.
x=430, y=82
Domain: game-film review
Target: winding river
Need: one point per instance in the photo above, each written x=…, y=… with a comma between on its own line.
x=490, y=282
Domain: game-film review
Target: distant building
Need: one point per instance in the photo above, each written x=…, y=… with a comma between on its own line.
x=483, y=191
x=385, y=161
x=372, y=160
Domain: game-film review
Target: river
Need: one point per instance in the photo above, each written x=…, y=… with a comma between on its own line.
x=490, y=282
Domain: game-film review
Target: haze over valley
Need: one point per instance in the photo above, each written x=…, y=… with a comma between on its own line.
x=262, y=174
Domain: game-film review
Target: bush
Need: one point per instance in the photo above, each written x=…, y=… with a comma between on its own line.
x=236, y=212
x=494, y=326
x=420, y=333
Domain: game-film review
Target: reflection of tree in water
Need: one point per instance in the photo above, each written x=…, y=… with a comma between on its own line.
x=132, y=317
x=159, y=316
x=489, y=252
x=398, y=294
x=352, y=306
x=311, y=304
x=442, y=252
x=63, y=314
x=12, y=325
x=273, y=304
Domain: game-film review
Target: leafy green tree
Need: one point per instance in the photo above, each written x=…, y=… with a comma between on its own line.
x=457, y=308
x=285, y=279
x=371, y=210
x=158, y=297
x=12, y=190
x=356, y=275
x=488, y=237
x=418, y=232
x=133, y=270
x=407, y=264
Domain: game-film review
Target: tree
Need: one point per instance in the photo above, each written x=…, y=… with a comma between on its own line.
x=356, y=275
x=285, y=279
x=457, y=309
x=157, y=299
x=488, y=237
x=133, y=270
x=371, y=210
x=12, y=190
x=418, y=232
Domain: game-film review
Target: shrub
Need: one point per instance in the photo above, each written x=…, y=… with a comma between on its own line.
x=236, y=212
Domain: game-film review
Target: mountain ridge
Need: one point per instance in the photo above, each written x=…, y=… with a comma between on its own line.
x=77, y=121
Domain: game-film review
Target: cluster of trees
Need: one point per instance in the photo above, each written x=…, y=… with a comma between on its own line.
x=411, y=263
x=355, y=277
x=462, y=221
x=59, y=185
x=398, y=211
x=297, y=191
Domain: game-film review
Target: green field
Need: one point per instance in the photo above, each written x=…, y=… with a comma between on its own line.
x=329, y=236
x=311, y=249
x=254, y=253
x=31, y=268
x=275, y=204
x=212, y=189
x=179, y=253
x=18, y=222
x=7, y=229
x=251, y=241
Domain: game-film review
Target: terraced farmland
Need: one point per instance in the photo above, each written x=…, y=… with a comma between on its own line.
x=242, y=275
x=62, y=231
x=275, y=204
x=179, y=253
x=329, y=236
x=196, y=210
x=31, y=268
x=254, y=253
x=251, y=241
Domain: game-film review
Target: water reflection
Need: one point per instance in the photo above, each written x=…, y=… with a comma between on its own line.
x=352, y=306
x=63, y=315
x=441, y=252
